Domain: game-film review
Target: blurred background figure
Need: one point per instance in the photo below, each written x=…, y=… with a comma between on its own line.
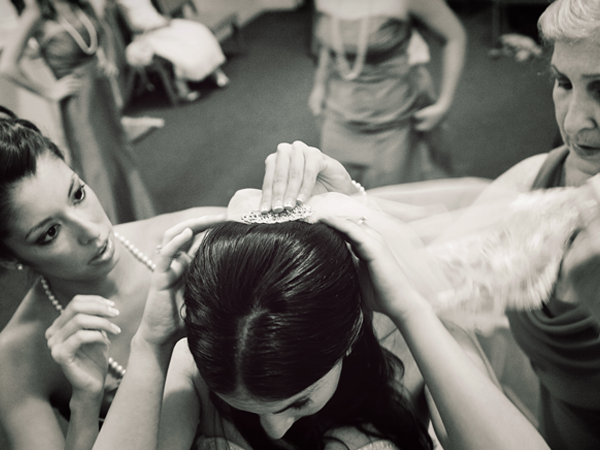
x=78, y=48
x=189, y=45
x=380, y=113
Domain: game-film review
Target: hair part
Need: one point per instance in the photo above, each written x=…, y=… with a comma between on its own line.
x=252, y=290
x=271, y=309
x=21, y=145
x=570, y=21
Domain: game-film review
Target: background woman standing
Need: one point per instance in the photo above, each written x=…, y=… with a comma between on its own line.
x=377, y=100
x=74, y=43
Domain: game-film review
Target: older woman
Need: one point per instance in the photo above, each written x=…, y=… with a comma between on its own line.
x=562, y=338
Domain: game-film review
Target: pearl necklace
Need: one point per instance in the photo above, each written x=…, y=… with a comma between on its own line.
x=89, y=26
x=361, y=51
x=118, y=370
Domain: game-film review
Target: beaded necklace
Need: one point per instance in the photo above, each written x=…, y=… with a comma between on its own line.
x=117, y=369
x=89, y=26
x=343, y=65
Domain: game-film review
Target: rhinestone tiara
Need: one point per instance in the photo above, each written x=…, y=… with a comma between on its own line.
x=300, y=212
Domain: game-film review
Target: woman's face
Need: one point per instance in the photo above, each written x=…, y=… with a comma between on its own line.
x=576, y=69
x=59, y=228
x=277, y=417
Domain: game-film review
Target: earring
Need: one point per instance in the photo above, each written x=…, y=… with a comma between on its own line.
x=349, y=351
x=19, y=266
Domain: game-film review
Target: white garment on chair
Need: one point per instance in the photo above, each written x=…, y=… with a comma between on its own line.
x=190, y=46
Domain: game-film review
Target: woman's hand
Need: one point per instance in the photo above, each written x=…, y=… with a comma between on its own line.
x=162, y=323
x=79, y=344
x=383, y=283
x=64, y=87
x=428, y=118
x=295, y=172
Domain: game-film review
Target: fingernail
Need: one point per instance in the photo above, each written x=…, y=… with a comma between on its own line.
x=277, y=206
x=289, y=203
x=113, y=311
x=115, y=328
x=110, y=302
x=264, y=208
x=301, y=199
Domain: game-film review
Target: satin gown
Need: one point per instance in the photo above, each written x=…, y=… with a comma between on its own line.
x=367, y=121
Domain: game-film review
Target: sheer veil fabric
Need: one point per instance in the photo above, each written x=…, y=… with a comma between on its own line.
x=502, y=254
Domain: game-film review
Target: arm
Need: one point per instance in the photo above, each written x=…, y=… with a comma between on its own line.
x=10, y=68
x=78, y=342
x=133, y=419
x=181, y=403
x=319, y=90
x=27, y=380
x=26, y=415
x=437, y=16
x=475, y=413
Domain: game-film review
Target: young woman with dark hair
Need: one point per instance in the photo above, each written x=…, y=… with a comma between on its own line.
x=280, y=351
x=53, y=227
x=264, y=285
x=56, y=239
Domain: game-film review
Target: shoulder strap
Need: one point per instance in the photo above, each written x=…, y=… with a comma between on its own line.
x=550, y=174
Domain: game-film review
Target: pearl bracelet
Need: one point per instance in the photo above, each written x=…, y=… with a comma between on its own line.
x=359, y=187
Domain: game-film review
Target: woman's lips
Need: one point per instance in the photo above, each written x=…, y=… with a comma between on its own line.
x=105, y=253
x=587, y=150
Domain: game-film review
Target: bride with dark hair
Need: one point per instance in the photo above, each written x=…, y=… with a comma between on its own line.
x=280, y=350
x=263, y=286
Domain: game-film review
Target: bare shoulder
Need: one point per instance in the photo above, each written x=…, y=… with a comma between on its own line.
x=29, y=381
x=27, y=366
x=147, y=234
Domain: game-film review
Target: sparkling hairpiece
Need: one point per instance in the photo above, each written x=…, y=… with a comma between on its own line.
x=300, y=212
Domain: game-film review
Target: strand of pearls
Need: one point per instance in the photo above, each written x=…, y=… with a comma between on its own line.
x=359, y=187
x=136, y=252
x=118, y=370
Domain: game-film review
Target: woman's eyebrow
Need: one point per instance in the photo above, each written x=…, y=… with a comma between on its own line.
x=43, y=223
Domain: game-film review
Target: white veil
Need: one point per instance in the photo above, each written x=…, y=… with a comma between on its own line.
x=471, y=264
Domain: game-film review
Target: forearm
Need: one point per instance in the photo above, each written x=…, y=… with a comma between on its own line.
x=452, y=66
x=83, y=423
x=133, y=419
x=475, y=413
x=15, y=47
x=322, y=72
x=20, y=77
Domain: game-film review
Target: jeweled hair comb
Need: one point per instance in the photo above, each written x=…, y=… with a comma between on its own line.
x=299, y=212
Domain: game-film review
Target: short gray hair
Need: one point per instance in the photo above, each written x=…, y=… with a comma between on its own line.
x=570, y=20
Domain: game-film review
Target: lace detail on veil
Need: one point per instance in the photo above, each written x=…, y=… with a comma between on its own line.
x=515, y=263
x=503, y=254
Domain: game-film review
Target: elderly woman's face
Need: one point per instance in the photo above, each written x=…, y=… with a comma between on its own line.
x=576, y=69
